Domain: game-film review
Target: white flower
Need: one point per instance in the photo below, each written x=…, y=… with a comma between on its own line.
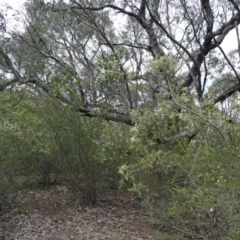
x=133, y=139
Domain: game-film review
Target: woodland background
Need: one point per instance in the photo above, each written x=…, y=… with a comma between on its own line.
x=138, y=95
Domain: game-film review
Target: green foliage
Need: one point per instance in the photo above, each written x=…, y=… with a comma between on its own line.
x=188, y=184
x=25, y=208
x=110, y=74
x=42, y=139
x=166, y=65
x=182, y=155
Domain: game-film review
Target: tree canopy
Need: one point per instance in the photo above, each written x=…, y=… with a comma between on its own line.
x=140, y=92
x=109, y=58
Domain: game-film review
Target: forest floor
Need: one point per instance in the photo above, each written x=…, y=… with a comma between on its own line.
x=51, y=214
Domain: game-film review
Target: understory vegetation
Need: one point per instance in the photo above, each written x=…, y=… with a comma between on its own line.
x=136, y=106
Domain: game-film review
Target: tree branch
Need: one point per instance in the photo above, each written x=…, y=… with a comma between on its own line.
x=104, y=7
x=147, y=25
x=9, y=64
x=222, y=97
x=187, y=135
x=107, y=115
x=208, y=45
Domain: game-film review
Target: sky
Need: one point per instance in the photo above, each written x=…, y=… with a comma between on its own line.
x=14, y=3
x=229, y=43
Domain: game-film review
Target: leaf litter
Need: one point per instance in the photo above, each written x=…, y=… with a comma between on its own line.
x=51, y=214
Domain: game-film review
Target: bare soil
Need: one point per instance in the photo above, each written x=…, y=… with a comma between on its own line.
x=53, y=214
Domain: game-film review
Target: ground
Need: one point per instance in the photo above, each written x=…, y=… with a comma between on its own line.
x=52, y=214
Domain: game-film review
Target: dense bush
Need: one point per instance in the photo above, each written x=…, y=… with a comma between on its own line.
x=191, y=184
x=44, y=139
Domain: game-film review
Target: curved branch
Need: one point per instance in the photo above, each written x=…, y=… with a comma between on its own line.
x=113, y=115
x=9, y=64
x=208, y=44
x=147, y=25
x=104, y=7
x=228, y=93
x=169, y=35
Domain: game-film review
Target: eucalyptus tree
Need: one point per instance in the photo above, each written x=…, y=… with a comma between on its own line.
x=156, y=65
x=110, y=58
